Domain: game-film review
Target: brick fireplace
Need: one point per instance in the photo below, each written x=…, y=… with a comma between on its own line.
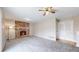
x=21, y=29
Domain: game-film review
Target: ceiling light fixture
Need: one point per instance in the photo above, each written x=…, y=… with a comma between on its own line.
x=47, y=10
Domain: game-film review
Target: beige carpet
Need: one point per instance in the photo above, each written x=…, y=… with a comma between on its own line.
x=36, y=44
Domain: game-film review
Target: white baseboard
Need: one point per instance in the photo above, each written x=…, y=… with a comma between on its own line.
x=54, y=39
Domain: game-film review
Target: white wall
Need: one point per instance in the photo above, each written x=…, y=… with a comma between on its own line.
x=66, y=30
x=76, y=29
x=10, y=21
x=0, y=29
x=3, y=30
x=31, y=29
x=46, y=28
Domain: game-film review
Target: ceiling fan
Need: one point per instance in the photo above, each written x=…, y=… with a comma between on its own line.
x=47, y=10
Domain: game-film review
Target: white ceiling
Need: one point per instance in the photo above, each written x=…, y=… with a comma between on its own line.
x=32, y=13
x=64, y=12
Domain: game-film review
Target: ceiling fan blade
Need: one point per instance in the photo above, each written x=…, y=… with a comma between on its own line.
x=52, y=11
x=41, y=10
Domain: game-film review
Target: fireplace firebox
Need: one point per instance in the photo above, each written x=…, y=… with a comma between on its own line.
x=22, y=33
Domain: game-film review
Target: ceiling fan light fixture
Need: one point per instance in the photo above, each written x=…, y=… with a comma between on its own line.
x=47, y=10
x=47, y=13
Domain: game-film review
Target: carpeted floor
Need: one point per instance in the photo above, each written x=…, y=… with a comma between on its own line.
x=35, y=44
